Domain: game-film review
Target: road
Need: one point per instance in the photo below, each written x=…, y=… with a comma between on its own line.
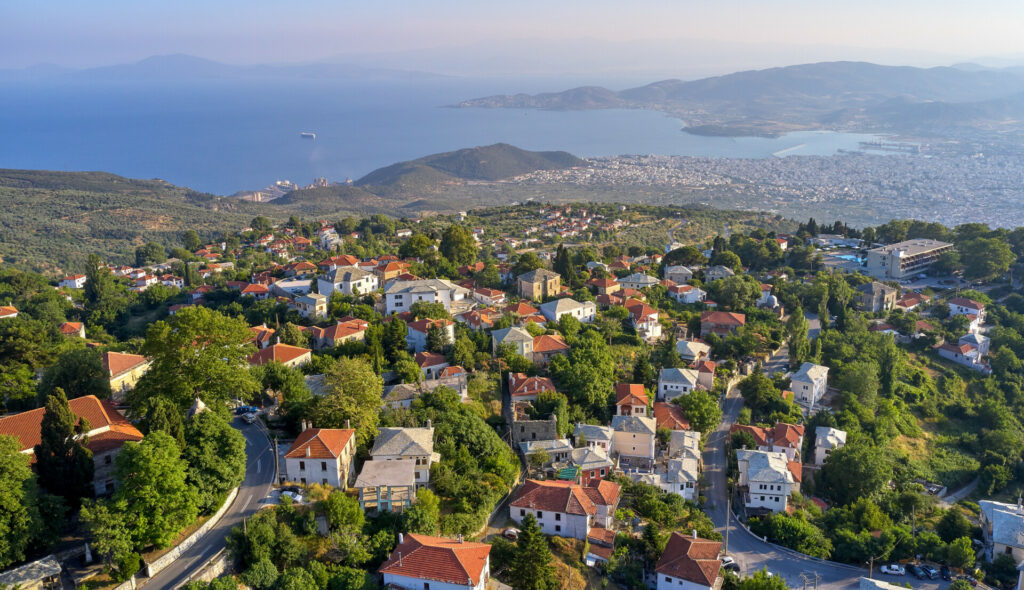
x=750, y=552
x=259, y=476
x=780, y=360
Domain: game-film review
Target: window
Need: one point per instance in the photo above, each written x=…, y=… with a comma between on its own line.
x=323, y=466
x=324, y=481
x=668, y=579
x=303, y=480
x=762, y=498
x=540, y=514
x=558, y=528
x=522, y=512
x=302, y=465
x=106, y=459
x=426, y=585
x=558, y=516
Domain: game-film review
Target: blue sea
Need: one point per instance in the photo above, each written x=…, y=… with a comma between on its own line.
x=226, y=136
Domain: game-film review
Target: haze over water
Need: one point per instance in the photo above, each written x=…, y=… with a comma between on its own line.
x=226, y=136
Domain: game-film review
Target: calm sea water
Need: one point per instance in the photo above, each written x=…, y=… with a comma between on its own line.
x=223, y=137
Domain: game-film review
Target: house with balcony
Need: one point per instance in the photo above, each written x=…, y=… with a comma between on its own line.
x=413, y=444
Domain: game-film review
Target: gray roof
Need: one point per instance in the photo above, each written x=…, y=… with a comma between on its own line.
x=400, y=472
x=590, y=459
x=551, y=446
x=684, y=443
x=29, y=573
x=912, y=247
x=672, y=375
x=1007, y=521
x=689, y=349
x=637, y=424
x=540, y=274
x=347, y=274
x=593, y=432
x=810, y=372
x=719, y=269
x=639, y=278
x=420, y=286
x=513, y=334
x=311, y=299
x=828, y=437
x=765, y=466
x=875, y=288
x=563, y=305
x=404, y=441
x=972, y=338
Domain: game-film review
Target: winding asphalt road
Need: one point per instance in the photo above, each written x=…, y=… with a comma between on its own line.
x=259, y=476
x=752, y=553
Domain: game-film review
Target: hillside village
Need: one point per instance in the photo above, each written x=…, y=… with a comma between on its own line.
x=515, y=397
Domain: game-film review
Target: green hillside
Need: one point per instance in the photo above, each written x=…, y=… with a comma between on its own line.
x=51, y=221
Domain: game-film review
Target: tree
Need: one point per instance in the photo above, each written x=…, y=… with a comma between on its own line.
x=859, y=380
x=215, y=453
x=727, y=259
x=151, y=253
x=417, y=246
x=857, y=470
x=153, y=489
x=160, y=414
x=63, y=462
x=796, y=335
x=953, y=525
x=463, y=352
x=643, y=372
x=735, y=292
x=986, y=258
x=354, y=398
x=291, y=334
x=103, y=304
x=458, y=245
x=261, y=575
x=424, y=517
x=78, y=372
x=762, y=581
x=200, y=353
x=685, y=256
x=190, y=239
x=960, y=553
x=531, y=567
x=701, y=410
x=539, y=459
x=342, y=511
x=110, y=533
x=19, y=516
x=437, y=339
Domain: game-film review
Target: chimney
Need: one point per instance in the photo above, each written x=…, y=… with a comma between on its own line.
x=399, y=553
x=430, y=423
x=694, y=533
x=309, y=451
x=401, y=539
x=348, y=423
x=460, y=537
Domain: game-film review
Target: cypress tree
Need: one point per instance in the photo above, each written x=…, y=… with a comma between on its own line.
x=63, y=462
x=531, y=564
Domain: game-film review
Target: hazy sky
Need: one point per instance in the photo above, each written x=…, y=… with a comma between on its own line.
x=96, y=32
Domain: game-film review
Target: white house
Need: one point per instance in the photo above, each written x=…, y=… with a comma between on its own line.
x=689, y=563
x=312, y=306
x=634, y=437
x=826, y=440
x=713, y=273
x=692, y=350
x=675, y=382
x=72, y=282
x=490, y=297
x=554, y=310
x=436, y=563
x=323, y=456
x=644, y=320
x=401, y=295
x=348, y=280
x=408, y=443
x=679, y=476
x=767, y=477
x=966, y=355
x=809, y=383
x=431, y=364
x=678, y=274
x=967, y=307
x=686, y=294
x=1002, y=525
x=518, y=337
x=638, y=280
x=416, y=332
x=564, y=508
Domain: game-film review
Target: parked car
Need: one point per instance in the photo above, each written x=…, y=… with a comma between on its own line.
x=918, y=572
x=894, y=570
x=931, y=572
x=944, y=573
x=511, y=533
x=295, y=497
x=250, y=418
x=242, y=410
x=969, y=579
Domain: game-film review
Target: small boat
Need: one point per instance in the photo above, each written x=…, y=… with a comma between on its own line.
x=308, y=135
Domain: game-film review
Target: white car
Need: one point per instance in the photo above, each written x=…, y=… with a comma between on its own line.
x=894, y=570
x=294, y=496
x=250, y=418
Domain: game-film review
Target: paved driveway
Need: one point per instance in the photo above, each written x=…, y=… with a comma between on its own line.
x=752, y=553
x=259, y=476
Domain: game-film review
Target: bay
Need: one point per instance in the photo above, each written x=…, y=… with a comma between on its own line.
x=222, y=136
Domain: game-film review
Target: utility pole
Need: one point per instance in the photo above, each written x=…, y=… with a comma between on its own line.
x=728, y=516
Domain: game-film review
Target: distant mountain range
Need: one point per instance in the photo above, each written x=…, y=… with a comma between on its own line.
x=848, y=95
x=182, y=67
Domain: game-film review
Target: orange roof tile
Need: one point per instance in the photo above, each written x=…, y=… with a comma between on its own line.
x=549, y=343
x=282, y=353
x=671, y=416
x=723, y=318
x=760, y=434
x=8, y=310
x=554, y=496
x=631, y=394
x=69, y=328
x=430, y=359
x=99, y=413
x=436, y=558
x=690, y=559
x=119, y=363
x=323, y=443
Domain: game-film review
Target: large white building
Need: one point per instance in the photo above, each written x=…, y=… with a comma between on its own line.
x=553, y=311
x=401, y=295
x=767, y=477
x=905, y=259
x=347, y=280
x=565, y=508
x=634, y=437
x=408, y=443
x=675, y=382
x=809, y=383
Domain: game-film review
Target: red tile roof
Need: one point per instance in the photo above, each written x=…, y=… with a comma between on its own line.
x=282, y=353
x=70, y=328
x=797, y=470
x=255, y=289
x=8, y=310
x=549, y=343
x=436, y=558
x=964, y=302
x=452, y=371
x=787, y=435
x=423, y=325
x=323, y=443
x=521, y=309
x=601, y=535
x=430, y=359
x=760, y=434
x=690, y=559
x=519, y=384
x=603, y=492
x=630, y=394
x=554, y=496
x=341, y=330
x=671, y=416
x=99, y=413
x=119, y=363
x=723, y=318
